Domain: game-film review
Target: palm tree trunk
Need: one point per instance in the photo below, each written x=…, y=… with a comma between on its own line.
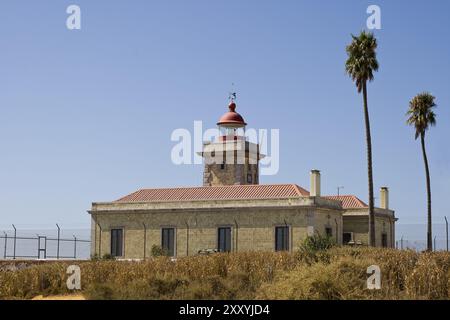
x=369, y=169
x=427, y=173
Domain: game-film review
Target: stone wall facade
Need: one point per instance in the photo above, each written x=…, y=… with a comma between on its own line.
x=357, y=222
x=252, y=226
x=231, y=163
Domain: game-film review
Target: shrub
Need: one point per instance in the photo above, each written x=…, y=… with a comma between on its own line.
x=157, y=251
x=314, y=248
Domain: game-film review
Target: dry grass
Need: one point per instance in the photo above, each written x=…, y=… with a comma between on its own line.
x=337, y=273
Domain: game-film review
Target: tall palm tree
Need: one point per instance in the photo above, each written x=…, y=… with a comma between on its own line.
x=421, y=116
x=360, y=65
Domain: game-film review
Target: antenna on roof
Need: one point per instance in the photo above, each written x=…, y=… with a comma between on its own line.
x=338, y=189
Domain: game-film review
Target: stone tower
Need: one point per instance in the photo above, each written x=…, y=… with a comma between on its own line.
x=232, y=160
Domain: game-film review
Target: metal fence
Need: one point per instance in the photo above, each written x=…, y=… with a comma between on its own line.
x=413, y=236
x=42, y=246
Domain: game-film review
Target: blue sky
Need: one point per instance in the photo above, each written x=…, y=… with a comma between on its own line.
x=87, y=115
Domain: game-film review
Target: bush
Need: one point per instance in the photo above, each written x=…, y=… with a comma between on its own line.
x=157, y=251
x=317, y=242
x=314, y=248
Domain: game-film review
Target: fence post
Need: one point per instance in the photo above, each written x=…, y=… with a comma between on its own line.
x=15, y=239
x=401, y=242
x=75, y=247
x=446, y=230
x=434, y=243
x=57, y=245
x=39, y=246
x=6, y=242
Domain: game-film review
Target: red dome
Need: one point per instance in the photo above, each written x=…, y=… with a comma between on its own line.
x=232, y=118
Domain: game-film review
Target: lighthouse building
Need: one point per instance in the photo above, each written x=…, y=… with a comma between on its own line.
x=232, y=211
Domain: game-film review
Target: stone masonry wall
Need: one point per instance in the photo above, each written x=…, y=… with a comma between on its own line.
x=252, y=228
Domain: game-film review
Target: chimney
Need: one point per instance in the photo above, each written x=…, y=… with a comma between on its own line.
x=384, y=198
x=315, y=183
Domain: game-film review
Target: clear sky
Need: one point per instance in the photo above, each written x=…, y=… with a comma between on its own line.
x=86, y=115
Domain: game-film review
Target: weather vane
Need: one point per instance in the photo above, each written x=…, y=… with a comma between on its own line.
x=232, y=94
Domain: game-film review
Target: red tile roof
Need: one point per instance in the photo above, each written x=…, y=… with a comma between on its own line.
x=232, y=192
x=349, y=201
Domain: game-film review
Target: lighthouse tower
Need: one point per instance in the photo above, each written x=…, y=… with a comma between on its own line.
x=231, y=160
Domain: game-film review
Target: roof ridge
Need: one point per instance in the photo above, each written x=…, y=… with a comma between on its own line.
x=225, y=186
x=342, y=195
x=360, y=203
x=251, y=191
x=299, y=189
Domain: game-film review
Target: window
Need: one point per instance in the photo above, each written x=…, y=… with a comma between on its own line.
x=117, y=242
x=222, y=166
x=281, y=238
x=168, y=241
x=224, y=239
x=384, y=240
x=328, y=232
x=249, y=178
x=347, y=237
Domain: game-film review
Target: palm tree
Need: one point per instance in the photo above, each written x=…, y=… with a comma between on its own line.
x=360, y=65
x=421, y=116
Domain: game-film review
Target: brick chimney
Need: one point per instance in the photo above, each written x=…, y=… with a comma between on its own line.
x=315, y=183
x=384, y=198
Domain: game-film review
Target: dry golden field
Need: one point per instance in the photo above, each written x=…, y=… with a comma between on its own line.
x=336, y=273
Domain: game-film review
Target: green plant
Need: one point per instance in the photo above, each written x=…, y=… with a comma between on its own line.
x=317, y=242
x=157, y=251
x=314, y=248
